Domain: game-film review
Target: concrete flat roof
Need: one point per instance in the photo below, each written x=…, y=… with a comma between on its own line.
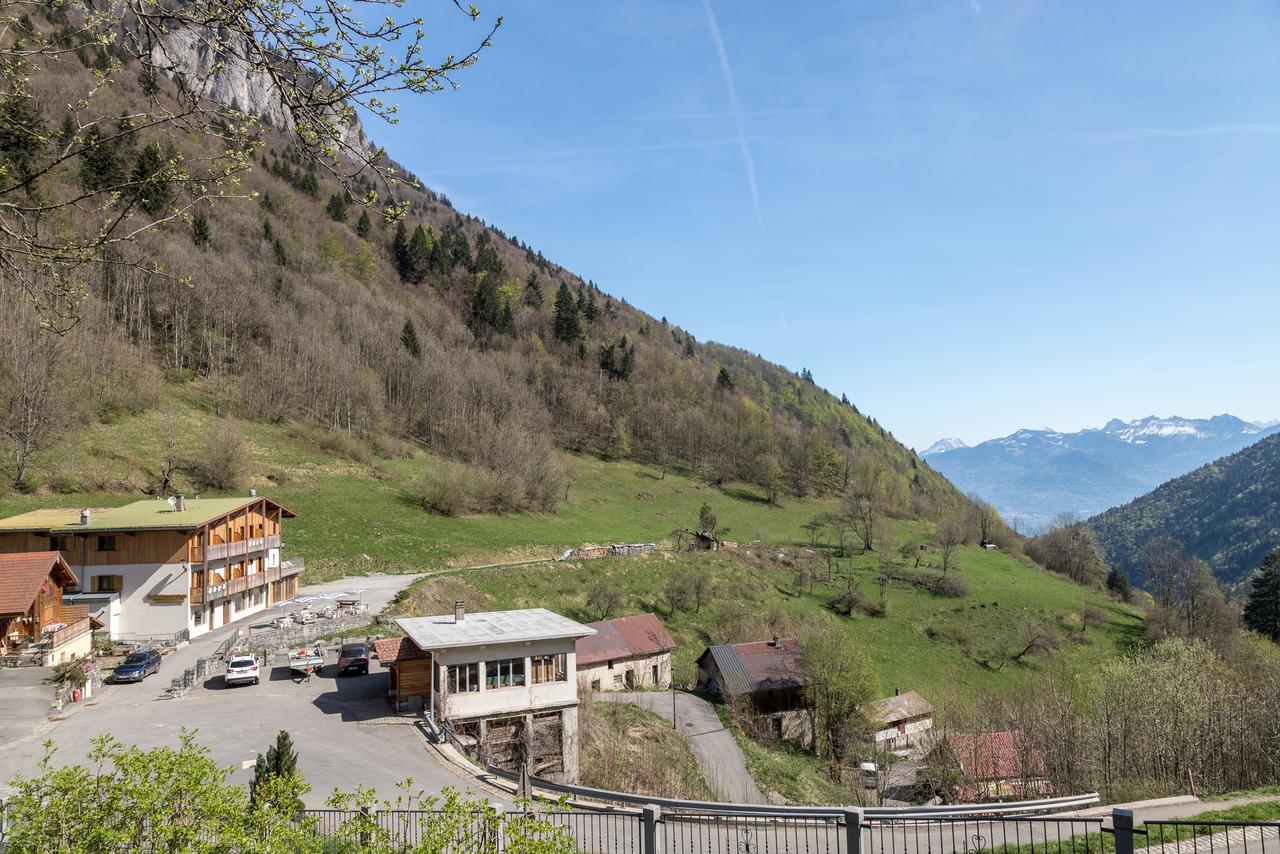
x=491, y=627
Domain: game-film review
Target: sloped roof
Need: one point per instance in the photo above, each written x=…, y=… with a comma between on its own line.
x=995, y=755
x=22, y=576
x=490, y=627
x=147, y=515
x=625, y=637
x=900, y=707
x=748, y=668
x=393, y=650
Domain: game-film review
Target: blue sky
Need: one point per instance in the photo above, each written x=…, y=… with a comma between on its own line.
x=970, y=216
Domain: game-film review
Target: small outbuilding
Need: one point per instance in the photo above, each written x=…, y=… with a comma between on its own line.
x=768, y=677
x=902, y=722
x=626, y=654
x=409, y=679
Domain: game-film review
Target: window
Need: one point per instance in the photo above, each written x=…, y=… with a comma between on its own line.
x=504, y=673
x=464, y=678
x=106, y=583
x=57, y=544
x=197, y=616
x=106, y=542
x=617, y=681
x=549, y=668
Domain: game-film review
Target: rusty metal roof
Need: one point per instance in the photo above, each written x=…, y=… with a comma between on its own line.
x=748, y=668
x=22, y=576
x=625, y=637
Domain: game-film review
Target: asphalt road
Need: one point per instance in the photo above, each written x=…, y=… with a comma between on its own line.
x=717, y=752
x=341, y=726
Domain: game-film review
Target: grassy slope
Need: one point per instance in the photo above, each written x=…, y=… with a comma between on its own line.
x=361, y=504
x=349, y=509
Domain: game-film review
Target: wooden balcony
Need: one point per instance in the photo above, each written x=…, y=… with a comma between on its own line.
x=69, y=632
x=239, y=548
x=223, y=589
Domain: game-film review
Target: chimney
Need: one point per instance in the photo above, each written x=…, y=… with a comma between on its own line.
x=896, y=692
x=180, y=503
x=84, y=516
x=459, y=611
x=253, y=493
x=774, y=643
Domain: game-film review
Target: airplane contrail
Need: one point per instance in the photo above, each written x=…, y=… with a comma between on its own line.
x=747, y=161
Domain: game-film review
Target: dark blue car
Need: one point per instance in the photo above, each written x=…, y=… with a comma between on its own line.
x=138, y=666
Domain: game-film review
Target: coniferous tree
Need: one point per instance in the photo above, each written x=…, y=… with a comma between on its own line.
x=337, y=208
x=419, y=260
x=532, y=292
x=100, y=164
x=400, y=251
x=724, y=379
x=153, y=189
x=1262, y=608
x=22, y=129
x=487, y=308
x=200, y=230
x=1117, y=582
x=364, y=225
x=280, y=762
x=567, y=326
x=409, y=338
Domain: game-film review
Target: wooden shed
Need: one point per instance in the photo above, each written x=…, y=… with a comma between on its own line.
x=410, y=672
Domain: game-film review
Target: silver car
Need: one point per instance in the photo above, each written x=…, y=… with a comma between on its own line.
x=241, y=669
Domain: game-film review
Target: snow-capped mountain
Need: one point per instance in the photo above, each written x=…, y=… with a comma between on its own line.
x=1033, y=476
x=942, y=446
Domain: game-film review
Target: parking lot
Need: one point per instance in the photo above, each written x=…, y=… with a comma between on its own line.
x=343, y=729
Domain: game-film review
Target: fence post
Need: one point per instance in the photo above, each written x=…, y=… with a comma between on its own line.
x=367, y=814
x=495, y=840
x=853, y=830
x=650, y=814
x=1122, y=822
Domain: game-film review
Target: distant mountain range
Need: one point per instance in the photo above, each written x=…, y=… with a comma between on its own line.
x=1227, y=513
x=1033, y=476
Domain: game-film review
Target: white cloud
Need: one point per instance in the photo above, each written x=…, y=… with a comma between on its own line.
x=736, y=109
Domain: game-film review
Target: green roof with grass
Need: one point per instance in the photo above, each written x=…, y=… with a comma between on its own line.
x=149, y=515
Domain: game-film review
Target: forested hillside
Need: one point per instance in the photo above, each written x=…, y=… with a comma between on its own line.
x=1226, y=513
x=299, y=304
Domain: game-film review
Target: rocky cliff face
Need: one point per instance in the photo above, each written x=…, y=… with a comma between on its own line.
x=185, y=52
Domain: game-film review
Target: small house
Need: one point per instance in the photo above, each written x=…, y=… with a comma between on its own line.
x=501, y=685
x=902, y=722
x=625, y=654
x=767, y=676
x=33, y=618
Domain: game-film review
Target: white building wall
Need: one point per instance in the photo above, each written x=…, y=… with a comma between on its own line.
x=615, y=678
x=138, y=614
x=495, y=702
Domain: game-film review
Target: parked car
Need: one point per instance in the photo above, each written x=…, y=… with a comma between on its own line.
x=241, y=669
x=353, y=658
x=137, y=666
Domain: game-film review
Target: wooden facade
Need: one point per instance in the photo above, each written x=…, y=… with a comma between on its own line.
x=218, y=558
x=43, y=617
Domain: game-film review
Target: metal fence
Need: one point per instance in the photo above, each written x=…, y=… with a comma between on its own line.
x=653, y=831
x=1210, y=837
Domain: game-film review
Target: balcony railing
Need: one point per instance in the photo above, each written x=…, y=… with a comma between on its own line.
x=69, y=632
x=223, y=589
x=240, y=548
